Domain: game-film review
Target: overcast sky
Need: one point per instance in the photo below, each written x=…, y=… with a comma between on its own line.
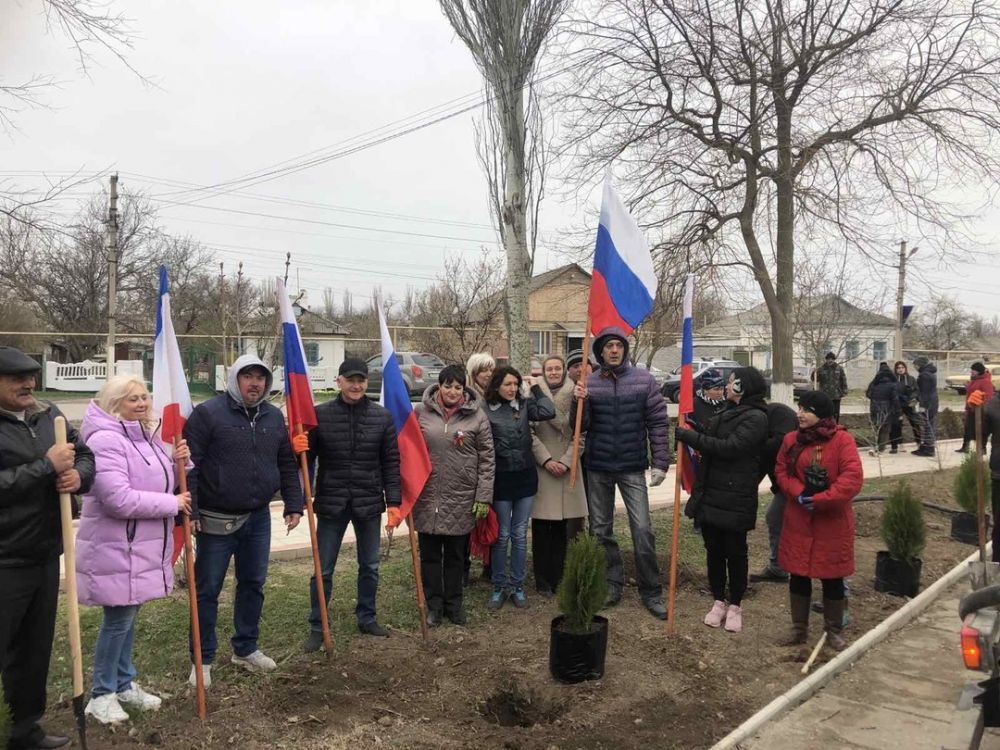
x=239, y=87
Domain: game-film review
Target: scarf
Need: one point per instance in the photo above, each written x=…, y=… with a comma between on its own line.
x=449, y=411
x=821, y=432
x=707, y=400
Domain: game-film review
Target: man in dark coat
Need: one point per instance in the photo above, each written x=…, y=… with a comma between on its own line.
x=883, y=394
x=242, y=456
x=832, y=380
x=927, y=404
x=33, y=471
x=780, y=421
x=356, y=448
x=625, y=417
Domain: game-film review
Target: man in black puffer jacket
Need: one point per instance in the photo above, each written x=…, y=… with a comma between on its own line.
x=358, y=476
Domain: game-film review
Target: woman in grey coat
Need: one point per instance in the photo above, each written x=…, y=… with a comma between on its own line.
x=460, y=444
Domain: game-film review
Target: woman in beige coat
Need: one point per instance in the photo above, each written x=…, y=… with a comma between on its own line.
x=559, y=512
x=460, y=442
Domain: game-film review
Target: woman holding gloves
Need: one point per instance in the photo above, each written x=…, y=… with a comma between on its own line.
x=124, y=544
x=724, y=499
x=819, y=471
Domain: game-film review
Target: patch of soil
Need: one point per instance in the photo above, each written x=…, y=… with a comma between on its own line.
x=513, y=706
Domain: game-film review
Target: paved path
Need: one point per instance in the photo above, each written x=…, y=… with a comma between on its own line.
x=901, y=694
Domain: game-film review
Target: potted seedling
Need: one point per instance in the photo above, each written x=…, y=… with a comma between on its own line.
x=578, y=638
x=897, y=570
x=965, y=525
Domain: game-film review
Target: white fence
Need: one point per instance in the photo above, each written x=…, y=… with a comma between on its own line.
x=86, y=376
x=320, y=378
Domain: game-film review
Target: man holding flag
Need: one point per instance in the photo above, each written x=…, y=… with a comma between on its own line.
x=357, y=478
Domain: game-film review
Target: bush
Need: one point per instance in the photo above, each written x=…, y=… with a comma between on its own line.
x=903, y=529
x=964, y=488
x=583, y=588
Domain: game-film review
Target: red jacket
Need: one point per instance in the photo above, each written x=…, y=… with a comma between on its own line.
x=820, y=543
x=982, y=383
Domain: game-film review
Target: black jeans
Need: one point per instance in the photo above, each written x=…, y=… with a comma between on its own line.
x=442, y=560
x=969, y=436
x=548, y=549
x=896, y=431
x=27, y=624
x=836, y=409
x=833, y=588
x=727, y=554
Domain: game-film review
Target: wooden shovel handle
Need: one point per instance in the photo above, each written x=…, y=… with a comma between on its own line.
x=69, y=558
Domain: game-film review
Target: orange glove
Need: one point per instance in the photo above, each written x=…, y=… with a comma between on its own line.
x=978, y=398
x=395, y=518
x=300, y=443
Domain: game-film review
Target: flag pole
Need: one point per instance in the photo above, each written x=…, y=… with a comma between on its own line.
x=981, y=484
x=192, y=587
x=675, y=531
x=584, y=372
x=317, y=568
x=421, y=601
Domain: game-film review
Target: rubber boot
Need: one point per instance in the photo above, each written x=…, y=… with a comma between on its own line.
x=833, y=623
x=799, y=632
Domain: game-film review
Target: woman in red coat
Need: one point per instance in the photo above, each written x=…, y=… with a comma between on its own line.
x=819, y=471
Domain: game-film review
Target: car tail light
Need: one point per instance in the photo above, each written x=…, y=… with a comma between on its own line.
x=418, y=372
x=972, y=653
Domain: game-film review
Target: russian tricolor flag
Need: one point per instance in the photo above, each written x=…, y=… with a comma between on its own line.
x=624, y=283
x=171, y=397
x=298, y=391
x=685, y=399
x=414, y=461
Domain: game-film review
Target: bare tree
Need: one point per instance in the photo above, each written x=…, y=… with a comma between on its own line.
x=754, y=124
x=506, y=38
x=942, y=326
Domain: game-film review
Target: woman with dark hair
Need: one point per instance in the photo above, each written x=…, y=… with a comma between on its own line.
x=907, y=385
x=819, y=471
x=724, y=499
x=516, y=483
x=883, y=394
x=459, y=489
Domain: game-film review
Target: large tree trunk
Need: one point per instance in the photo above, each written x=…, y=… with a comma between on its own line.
x=782, y=330
x=515, y=237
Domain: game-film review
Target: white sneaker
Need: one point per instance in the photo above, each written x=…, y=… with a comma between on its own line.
x=206, y=676
x=255, y=662
x=136, y=697
x=106, y=709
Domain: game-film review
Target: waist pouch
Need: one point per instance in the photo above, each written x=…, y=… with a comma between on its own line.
x=221, y=524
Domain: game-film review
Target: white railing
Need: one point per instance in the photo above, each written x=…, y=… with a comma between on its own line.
x=86, y=376
x=320, y=378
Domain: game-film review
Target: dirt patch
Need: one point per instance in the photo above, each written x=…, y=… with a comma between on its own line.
x=514, y=706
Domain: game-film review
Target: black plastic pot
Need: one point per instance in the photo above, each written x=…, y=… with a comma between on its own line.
x=575, y=658
x=896, y=577
x=965, y=528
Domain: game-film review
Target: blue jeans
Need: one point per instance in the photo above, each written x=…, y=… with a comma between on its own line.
x=113, y=667
x=329, y=535
x=601, y=504
x=251, y=546
x=512, y=519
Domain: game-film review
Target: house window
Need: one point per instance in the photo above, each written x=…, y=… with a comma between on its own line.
x=541, y=342
x=880, y=350
x=312, y=353
x=852, y=349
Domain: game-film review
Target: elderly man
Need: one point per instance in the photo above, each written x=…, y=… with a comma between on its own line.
x=242, y=456
x=33, y=471
x=625, y=417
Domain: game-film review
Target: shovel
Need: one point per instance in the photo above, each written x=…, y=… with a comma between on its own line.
x=72, y=606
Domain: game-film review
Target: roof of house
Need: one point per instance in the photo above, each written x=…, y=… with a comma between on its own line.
x=816, y=310
x=547, y=277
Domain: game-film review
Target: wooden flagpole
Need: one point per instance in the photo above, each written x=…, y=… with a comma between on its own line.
x=981, y=485
x=675, y=532
x=192, y=587
x=418, y=576
x=584, y=372
x=317, y=568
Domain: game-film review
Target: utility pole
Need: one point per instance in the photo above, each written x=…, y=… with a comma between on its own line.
x=900, y=289
x=222, y=312
x=112, y=242
x=239, y=324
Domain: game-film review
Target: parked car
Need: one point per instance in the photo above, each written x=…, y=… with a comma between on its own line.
x=958, y=383
x=419, y=370
x=658, y=375
x=672, y=383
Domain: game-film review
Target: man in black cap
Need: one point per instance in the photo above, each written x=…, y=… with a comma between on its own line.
x=832, y=380
x=33, y=471
x=357, y=477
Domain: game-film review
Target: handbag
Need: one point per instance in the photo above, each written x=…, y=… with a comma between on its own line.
x=816, y=477
x=221, y=524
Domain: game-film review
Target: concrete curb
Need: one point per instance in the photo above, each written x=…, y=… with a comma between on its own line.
x=805, y=689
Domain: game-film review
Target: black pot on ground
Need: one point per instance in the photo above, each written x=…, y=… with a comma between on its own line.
x=896, y=577
x=965, y=527
x=575, y=658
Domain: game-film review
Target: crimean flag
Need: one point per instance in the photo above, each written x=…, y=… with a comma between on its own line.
x=171, y=398
x=624, y=282
x=298, y=391
x=414, y=461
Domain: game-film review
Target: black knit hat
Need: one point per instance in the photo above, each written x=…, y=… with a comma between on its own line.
x=711, y=378
x=575, y=357
x=15, y=362
x=816, y=402
x=831, y=355
x=979, y=367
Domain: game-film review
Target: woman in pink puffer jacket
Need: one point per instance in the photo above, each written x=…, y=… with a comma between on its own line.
x=124, y=543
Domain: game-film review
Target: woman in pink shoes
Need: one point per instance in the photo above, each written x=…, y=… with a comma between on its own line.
x=819, y=471
x=724, y=499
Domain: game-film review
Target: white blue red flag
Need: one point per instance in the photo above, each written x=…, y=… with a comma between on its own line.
x=624, y=282
x=298, y=391
x=171, y=397
x=689, y=460
x=414, y=461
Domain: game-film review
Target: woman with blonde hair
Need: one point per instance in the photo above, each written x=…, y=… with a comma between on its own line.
x=480, y=369
x=124, y=542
